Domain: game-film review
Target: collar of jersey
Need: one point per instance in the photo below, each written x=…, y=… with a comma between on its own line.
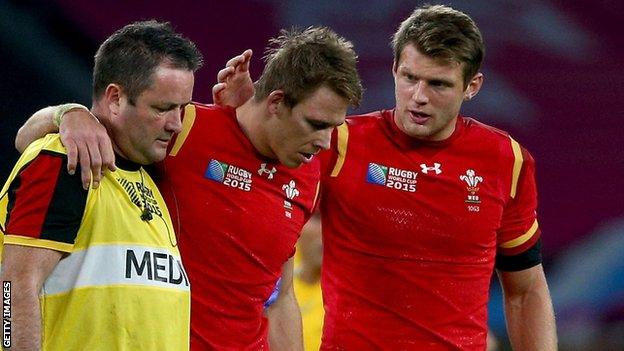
x=406, y=141
x=126, y=164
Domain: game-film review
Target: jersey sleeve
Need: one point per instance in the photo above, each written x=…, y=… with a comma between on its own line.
x=519, y=230
x=45, y=204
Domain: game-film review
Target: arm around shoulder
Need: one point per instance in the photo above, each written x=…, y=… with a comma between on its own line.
x=38, y=125
x=86, y=140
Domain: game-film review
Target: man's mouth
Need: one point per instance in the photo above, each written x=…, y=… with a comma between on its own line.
x=419, y=117
x=163, y=140
x=307, y=157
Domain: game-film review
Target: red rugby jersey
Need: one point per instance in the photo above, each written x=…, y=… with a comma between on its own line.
x=237, y=215
x=411, y=230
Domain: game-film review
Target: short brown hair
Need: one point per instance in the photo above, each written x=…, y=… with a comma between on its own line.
x=130, y=56
x=444, y=33
x=299, y=62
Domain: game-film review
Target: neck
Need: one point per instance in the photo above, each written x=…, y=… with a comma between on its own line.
x=103, y=116
x=252, y=118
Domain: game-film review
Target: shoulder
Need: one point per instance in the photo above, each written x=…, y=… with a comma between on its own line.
x=362, y=125
x=494, y=139
x=475, y=127
x=200, y=121
x=208, y=110
x=50, y=143
x=367, y=119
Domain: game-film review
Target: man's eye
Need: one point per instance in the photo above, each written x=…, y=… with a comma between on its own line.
x=317, y=125
x=438, y=84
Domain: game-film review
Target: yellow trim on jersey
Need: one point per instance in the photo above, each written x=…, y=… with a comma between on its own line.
x=187, y=123
x=522, y=238
x=318, y=188
x=516, y=167
x=36, y=242
x=343, y=139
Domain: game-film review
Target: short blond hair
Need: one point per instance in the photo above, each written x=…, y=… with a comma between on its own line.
x=300, y=62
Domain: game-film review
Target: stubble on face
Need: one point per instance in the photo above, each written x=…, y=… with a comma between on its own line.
x=429, y=94
x=148, y=126
x=305, y=129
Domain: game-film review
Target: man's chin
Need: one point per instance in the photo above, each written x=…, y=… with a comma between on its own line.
x=290, y=162
x=156, y=156
x=417, y=131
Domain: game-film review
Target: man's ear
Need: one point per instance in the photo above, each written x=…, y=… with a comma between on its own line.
x=473, y=86
x=113, y=96
x=275, y=101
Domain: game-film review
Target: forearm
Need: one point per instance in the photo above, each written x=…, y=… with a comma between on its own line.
x=285, y=328
x=38, y=125
x=26, y=268
x=530, y=318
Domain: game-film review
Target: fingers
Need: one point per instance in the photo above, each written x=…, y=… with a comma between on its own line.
x=108, y=155
x=244, y=65
x=241, y=61
x=102, y=157
x=236, y=60
x=72, y=156
x=85, y=162
x=96, y=166
x=217, y=89
x=224, y=74
x=88, y=145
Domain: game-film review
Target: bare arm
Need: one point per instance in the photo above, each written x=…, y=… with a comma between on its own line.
x=27, y=268
x=234, y=85
x=84, y=137
x=528, y=310
x=285, y=328
x=38, y=125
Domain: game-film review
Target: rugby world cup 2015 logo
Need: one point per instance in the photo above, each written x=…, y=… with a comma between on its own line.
x=377, y=174
x=391, y=177
x=216, y=170
x=230, y=175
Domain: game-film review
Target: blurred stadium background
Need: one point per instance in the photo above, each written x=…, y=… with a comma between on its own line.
x=554, y=79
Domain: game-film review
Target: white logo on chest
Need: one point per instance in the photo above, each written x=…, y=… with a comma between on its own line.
x=291, y=192
x=426, y=169
x=472, y=180
x=269, y=172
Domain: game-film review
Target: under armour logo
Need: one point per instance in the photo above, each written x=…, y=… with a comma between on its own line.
x=263, y=170
x=436, y=167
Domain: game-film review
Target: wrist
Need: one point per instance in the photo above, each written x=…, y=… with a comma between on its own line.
x=61, y=110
